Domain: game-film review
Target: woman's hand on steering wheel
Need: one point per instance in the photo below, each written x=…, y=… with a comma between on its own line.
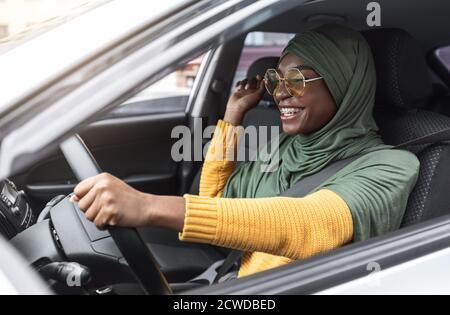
x=107, y=200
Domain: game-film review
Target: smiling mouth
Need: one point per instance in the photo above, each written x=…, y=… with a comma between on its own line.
x=290, y=112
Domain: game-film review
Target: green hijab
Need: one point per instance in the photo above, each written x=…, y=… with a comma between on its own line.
x=343, y=58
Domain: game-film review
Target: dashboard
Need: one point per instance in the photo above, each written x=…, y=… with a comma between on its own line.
x=16, y=214
x=61, y=242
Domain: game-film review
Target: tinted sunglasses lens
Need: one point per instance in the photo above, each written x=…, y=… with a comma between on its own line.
x=271, y=81
x=295, y=82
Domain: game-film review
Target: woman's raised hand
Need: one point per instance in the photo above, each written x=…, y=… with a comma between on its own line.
x=247, y=95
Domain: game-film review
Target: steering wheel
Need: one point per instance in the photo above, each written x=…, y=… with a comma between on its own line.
x=138, y=256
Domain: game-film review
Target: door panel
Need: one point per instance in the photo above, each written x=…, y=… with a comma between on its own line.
x=136, y=149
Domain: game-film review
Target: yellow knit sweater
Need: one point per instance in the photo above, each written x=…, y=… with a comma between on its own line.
x=272, y=231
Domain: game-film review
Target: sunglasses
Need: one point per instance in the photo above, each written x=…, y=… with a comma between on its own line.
x=294, y=81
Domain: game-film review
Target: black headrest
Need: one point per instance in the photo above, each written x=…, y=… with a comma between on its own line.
x=403, y=79
x=259, y=67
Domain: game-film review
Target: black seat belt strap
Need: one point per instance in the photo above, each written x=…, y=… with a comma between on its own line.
x=307, y=184
x=232, y=258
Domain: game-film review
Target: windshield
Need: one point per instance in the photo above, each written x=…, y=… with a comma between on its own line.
x=21, y=20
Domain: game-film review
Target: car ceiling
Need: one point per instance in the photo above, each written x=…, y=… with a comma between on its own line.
x=427, y=21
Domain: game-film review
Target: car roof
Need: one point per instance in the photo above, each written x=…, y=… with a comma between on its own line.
x=426, y=21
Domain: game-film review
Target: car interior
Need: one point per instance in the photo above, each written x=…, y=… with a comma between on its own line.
x=134, y=142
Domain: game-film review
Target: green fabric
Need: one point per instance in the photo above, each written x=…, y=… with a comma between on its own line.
x=376, y=186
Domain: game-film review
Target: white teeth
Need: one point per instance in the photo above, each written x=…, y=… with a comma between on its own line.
x=289, y=111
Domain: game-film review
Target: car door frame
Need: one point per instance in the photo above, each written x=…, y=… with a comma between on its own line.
x=353, y=262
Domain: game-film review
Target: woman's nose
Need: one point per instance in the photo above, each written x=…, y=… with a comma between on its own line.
x=281, y=92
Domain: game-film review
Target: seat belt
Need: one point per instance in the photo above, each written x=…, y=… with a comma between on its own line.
x=306, y=185
x=233, y=258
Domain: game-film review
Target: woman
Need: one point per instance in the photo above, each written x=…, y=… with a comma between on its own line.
x=324, y=87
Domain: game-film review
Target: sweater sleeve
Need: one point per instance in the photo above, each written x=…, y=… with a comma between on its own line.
x=220, y=160
x=291, y=227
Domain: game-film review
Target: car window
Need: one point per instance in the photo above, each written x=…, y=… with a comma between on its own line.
x=259, y=45
x=168, y=95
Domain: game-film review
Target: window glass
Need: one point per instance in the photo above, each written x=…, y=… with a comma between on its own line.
x=170, y=94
